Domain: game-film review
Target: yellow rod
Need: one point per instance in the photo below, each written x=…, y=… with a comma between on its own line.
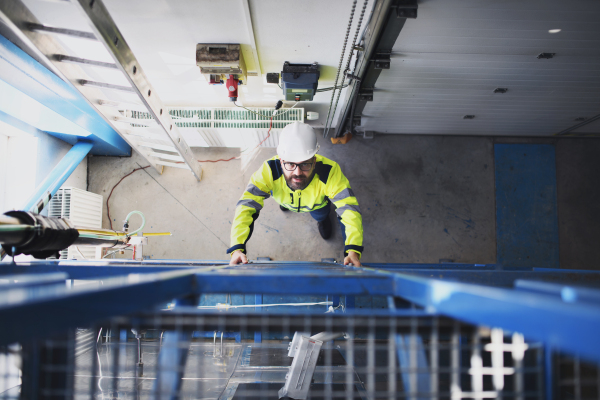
x=100, y=232
x=158, y=234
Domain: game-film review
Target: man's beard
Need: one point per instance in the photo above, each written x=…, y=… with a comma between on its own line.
x=299, y=185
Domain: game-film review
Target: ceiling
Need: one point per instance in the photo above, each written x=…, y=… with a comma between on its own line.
x=163, y=35
x=445, y=64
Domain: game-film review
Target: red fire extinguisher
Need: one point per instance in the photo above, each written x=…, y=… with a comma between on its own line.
x=232, y=87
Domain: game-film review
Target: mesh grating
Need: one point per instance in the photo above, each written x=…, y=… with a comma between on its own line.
x=575, y=379
x=381, y=357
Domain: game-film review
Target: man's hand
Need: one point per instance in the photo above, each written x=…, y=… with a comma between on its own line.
x=353, y=258
x=238, y=258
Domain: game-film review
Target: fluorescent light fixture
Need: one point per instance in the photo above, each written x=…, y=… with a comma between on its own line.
x=554, y=30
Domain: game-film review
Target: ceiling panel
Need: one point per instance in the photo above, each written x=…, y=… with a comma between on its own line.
x=163, y=35
x=448, y=61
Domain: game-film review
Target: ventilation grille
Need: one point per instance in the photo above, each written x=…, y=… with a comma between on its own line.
x=214, y=127
x=83, y=209
x=257, y=118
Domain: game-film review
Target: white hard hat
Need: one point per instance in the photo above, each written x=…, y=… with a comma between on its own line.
x=297, y=142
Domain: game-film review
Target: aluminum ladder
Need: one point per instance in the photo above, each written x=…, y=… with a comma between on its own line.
x=160, y=147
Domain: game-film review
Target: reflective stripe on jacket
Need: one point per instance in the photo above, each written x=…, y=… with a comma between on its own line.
x=328, y=182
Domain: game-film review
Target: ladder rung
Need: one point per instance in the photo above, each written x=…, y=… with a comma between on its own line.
x=77, y=60
x=61, y=31
x=166, y=156
x=107, y=31
x=137, y=121
x=85, y=82
x=170, y=164
x=123, y=105
x=158, y=147
x=141, y=133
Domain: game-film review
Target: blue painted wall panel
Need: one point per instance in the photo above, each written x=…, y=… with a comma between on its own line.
x=526, y=211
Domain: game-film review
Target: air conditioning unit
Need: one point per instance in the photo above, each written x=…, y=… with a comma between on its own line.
x=83, y=209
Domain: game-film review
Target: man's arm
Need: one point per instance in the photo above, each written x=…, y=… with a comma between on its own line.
x=342, y=196
x=352, y=258
x=237, y=257
x=247, y=211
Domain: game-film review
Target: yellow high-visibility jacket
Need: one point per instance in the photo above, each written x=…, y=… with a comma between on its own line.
x=328, y=182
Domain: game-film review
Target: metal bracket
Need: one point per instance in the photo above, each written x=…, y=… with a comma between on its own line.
x=356, y=121
x=295, y=343
x=215, y=345
x=298, y=379
x=406, y=8
x=305, y=351
x=382, y=60
x=365, y=94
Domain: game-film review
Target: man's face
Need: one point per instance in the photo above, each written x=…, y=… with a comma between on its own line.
x=298, y=179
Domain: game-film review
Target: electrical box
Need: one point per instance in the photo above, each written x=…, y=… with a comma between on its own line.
x=217, y=61
x=273, y=77
x=299, y=81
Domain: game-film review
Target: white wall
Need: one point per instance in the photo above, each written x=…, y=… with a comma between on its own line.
x=26, y=157
x=20, y=174
x=3, y=168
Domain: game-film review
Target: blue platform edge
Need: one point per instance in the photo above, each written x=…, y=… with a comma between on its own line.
x=61, y=111
x=526, y=206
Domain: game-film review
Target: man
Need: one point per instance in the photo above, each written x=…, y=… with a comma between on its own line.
x=299, y=180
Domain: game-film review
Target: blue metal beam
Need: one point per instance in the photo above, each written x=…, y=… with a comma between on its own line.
x=172, y=358
x=258, y=299
x=22, y=281
x=291, y=283
x=413, y=366
x=570, y=327
x=568, y=293
x=503, y=278
x=61, y=172
x=98, y=269
x=46, y=310
x=226, y=335
x=444, y=266
x=36, y=96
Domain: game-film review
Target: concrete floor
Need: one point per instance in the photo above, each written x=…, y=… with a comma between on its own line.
x=423, y=199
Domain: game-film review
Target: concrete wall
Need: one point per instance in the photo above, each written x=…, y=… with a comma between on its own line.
x=578, y=179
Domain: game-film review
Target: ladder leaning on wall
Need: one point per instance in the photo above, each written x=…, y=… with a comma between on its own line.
x=40, y=38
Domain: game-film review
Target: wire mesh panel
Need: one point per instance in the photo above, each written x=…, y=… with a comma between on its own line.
x=575, y=379
x=10, y=371
x=194, y=355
